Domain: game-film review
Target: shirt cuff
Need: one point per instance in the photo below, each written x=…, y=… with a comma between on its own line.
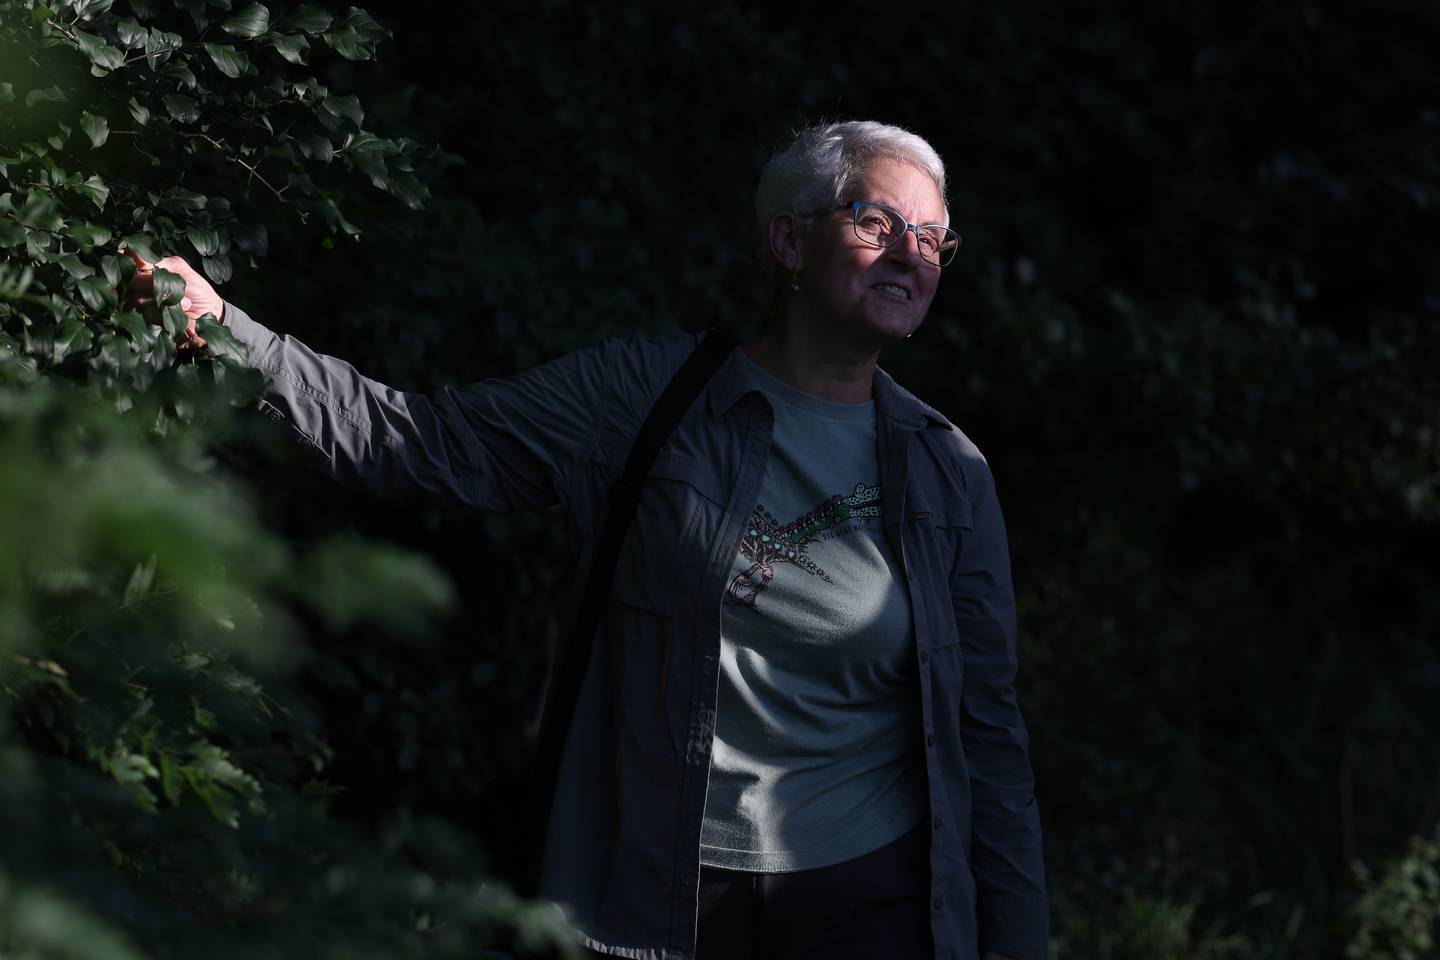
x=1014, y=926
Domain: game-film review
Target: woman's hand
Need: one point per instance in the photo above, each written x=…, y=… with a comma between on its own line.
x=199, y=298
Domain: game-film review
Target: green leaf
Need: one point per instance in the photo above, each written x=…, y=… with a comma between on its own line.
x=180, y=72
x=139, y=112
x=41, y=212
x=173, y=319
x=316, y=147
x=244, y=385
x=74, y=266
x=141, y=244
x=227, y=59
x=97, y=293
x=169, y=287
x=98, y=51
x=134, y=326
x=59, y=140
x=249, y=23
x=218, y=269
x=292, y=48
x=114, y=268
x=72, y=337
x=95, y=190
x=305, y=19
x=7, y=92
x=12, y=234
x=89, y=9
x=408, y=190
x=349, y=44
x=178, y=198
x=347, y=106
x=96, y=128
x=158, y=46
x=130, y=33
x=90, y=234
x=49, y=94
x=181, y=107
x=205, y=239
x=365, y=25
x=221, y=339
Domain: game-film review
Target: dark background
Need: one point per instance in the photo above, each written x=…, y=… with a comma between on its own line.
x=1193, y=326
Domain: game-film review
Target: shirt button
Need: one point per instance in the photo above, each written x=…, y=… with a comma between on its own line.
x=938, y=903
x=938, y=823
x=924, y=656
x=929, y=739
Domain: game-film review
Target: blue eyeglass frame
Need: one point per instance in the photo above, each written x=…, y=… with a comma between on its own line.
x=854, y=207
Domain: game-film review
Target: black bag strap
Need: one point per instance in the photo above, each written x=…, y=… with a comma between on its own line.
x=677, y=398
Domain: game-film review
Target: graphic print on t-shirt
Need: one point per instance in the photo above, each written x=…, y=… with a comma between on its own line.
x=768, y=544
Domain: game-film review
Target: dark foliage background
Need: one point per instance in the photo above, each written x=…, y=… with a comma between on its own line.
x=1193, y=326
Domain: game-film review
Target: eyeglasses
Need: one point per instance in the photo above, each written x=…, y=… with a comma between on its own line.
x=880, y=226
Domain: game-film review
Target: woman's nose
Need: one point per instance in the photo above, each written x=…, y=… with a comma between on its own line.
x=907, y=248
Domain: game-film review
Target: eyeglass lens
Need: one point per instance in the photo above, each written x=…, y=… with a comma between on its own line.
x=885, y=227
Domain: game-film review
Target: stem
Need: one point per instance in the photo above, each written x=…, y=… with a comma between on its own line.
x=279, y=194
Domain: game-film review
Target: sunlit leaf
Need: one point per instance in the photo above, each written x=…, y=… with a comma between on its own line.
x=73, y=336
x=96, y=128
x=347, y=106
x=206, y=240
x=169, y=286
x=95, y=190
x=97, y=293
x=90, y=234
x=292, y=48
x=250, y=22
x=227, y=59
x=141, y=244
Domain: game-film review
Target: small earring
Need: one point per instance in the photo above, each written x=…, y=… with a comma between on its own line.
x=795, y=281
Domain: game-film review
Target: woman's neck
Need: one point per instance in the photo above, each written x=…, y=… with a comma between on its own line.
x=814, y=364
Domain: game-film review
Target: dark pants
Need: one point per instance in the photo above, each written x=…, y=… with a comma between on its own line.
x=873, y=906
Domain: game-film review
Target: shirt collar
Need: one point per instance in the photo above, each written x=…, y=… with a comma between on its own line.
x=730, y=384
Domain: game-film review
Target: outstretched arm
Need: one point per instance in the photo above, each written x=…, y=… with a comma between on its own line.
x=505, y=444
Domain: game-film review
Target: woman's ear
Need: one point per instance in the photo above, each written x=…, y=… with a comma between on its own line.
x=785, y=242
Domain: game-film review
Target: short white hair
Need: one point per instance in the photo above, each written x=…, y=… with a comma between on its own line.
x=823, y=162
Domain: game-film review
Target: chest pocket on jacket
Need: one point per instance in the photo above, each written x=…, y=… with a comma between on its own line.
x=658, y=562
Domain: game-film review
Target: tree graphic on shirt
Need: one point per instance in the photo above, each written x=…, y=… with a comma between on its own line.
x=768, y=543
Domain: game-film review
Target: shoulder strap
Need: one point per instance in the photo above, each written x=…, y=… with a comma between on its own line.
x=677, y=398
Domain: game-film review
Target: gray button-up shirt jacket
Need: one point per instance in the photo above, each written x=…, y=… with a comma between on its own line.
x=623, y=842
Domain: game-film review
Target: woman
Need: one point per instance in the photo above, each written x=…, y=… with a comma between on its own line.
x=798, y=735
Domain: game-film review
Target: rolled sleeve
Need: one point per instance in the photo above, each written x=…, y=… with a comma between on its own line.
x=1012, y=905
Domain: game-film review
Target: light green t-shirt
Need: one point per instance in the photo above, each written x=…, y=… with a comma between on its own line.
x=817, y=755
